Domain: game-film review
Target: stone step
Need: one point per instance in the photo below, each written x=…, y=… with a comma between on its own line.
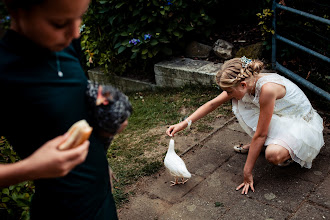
x=184, y=71
x=173, y=73
x=122, y=83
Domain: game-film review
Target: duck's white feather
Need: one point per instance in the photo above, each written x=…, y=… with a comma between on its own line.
x=175, y=164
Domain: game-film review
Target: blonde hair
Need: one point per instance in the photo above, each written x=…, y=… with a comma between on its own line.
x=232, y=72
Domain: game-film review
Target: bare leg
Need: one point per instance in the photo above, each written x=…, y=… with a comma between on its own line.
x=277, y=154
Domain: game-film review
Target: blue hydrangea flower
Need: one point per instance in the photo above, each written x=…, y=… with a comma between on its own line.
x=3, y=20
x=169, y=2
x=147, y=36
x=134, y=41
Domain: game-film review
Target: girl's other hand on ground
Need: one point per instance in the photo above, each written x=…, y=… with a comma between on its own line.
x=49, y=162
x=248, y=183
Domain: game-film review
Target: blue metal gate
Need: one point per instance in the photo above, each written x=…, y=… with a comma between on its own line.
x=283, y=69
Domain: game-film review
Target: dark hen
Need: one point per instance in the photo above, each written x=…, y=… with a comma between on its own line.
x=109, y=108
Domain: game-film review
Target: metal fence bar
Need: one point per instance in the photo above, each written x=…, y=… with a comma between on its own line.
x=286, y=71
x=274, y=46
x=317, y=18
x=303, y=81
x=322, y=57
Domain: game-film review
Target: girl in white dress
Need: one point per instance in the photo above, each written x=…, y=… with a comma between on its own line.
x=271, y=109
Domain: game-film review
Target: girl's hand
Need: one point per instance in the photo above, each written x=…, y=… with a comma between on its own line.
x=175, y=128
x=248, y=183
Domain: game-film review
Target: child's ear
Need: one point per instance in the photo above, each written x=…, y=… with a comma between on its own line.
x=243, y=84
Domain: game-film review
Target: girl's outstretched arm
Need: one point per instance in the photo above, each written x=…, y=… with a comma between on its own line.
x=46, y=162
x=199, y=113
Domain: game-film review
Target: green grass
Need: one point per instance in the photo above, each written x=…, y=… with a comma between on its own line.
x=137, y=152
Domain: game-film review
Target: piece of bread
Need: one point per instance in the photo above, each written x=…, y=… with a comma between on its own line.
x=78, y=133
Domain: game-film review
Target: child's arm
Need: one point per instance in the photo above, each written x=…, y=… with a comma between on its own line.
x=46, y=162
x=199, y=113
x=268, y=95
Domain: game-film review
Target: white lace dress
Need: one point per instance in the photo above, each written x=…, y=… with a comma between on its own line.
x=295, y=125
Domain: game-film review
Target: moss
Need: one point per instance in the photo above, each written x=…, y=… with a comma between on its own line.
x=253, y=51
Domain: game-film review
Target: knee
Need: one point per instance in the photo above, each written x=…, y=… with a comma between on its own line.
x=273, y=157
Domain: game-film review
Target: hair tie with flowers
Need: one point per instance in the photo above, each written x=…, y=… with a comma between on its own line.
x=245, y=61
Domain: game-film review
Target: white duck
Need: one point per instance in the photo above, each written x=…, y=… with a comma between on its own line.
x=176, y=165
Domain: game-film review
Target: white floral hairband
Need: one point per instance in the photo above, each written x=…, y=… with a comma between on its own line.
x=245, y=61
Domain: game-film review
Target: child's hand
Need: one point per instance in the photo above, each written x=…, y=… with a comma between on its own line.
x=49, y=162
x=248, y=182
x=175, y=128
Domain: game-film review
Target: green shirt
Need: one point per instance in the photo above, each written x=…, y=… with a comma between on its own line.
x=38, y=105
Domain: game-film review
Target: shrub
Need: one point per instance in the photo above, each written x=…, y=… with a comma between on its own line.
x=16, y=198
x=118, y=35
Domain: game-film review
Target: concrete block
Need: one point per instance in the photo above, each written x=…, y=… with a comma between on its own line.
x=311, y=211
x=161, y=188
x=143, y=207
x=122, y=83
x=184, y=71
x=321, y=195
x=193, y=207
x=219, y=188
x=282, y=192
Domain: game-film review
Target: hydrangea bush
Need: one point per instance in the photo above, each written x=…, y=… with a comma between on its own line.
x=127, y=35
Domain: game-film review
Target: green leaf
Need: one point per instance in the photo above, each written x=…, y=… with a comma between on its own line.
x=176, y=33
x=14, y=196
x=144, y=51
x=125, y=43
x=144, y=17
x=135, y=49
x=162, y=12
x=5, y=199
x=22, y=202
x=124, y=34
x=155, y=51
x=5, y=191
x=111, y=19
x=102, y=2
x=218, y=204
x=133, y=55
x=103, y=10
x=119, y=5
x=164, y=40
x=153, y=42
x=117, y=45
x=189, y=28
x=155, y=2
x=12, y=159
x=136, y=12
x=121, y=49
